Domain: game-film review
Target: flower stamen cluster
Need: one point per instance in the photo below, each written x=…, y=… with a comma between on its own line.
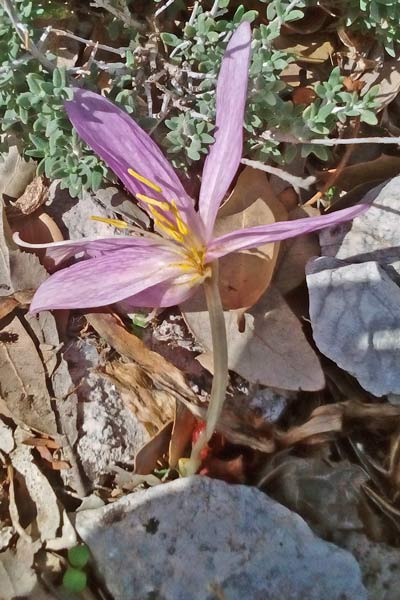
x=171, y=222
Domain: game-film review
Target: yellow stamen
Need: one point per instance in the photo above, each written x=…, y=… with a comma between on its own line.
x=114, y=222
x=171, y=232
x=144, y=180
x=159, y=218
x=165, y=225
x=183, y=228
x=153, y=202
x=184, y=266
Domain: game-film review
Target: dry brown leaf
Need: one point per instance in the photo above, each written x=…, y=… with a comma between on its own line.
x=150, y=386
x=47, y=517
x=231, y=471
x=242, y=424
x=384, y=167
x=152, y=407
x=6, y=438
x=18, y=270
x=272, y=350
x=387, y=77
x=23, y=380
x=47, y=442
x=324, y=422
x=358, y=42
x=295, y=254
x=125, y=480
x=15, y=173
x=303, y=95
x=313, y=20
x=44, y=328
x=147, y=457
x=244, y=276
x=16, y=573
x=35, y=194
x=38, y=229
x=289, y=198
x=182, y=431
x=239, y=423
x=163, y=374
x=20, y=299
x=7, y=305
x=66, y=50
x=318, y=50
x=329, y=419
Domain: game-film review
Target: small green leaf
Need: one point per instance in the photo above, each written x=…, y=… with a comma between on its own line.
x=212, y=36
x=139, y=319
x=57, y=79
x=96, y=179
x=190, y=31
x=34, y=82
x=35, y=153
x=193, y=153
x=367, y=116
x=49, y=163
x=170, y=39
x=23, y=115
x=24, y=100
x=250, y=16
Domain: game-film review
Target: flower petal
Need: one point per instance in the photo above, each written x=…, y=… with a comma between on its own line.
x=167, y=293
x=224, y=157
x=87, y=247
x=107, y=279
x=123, y=145
x=252, y=237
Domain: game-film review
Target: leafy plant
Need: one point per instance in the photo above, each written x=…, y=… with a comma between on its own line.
x=167, y=84
x=379, y=18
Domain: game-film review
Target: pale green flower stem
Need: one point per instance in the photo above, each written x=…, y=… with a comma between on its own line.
x=220, y=380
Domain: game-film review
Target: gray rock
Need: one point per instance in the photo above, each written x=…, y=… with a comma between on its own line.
x=72, y=215
x=355, y=316
x=201, y=539
x=374, y=235
x=327, y=496
x=109, y=432
x=379, y=564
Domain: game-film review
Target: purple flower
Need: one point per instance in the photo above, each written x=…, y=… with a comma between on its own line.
x=162, y=270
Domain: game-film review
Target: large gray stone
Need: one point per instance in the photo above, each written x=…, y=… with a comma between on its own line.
x=373, y=235
x=355, y=317
x=379, y=564
x=202, y=539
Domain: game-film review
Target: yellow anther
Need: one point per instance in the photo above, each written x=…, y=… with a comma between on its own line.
x=153, y=202
x=114, y=222
x=144, y=180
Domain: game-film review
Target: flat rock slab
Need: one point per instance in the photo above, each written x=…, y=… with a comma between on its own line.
x=373, y=235
x=202, y=539
x=355, y=317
